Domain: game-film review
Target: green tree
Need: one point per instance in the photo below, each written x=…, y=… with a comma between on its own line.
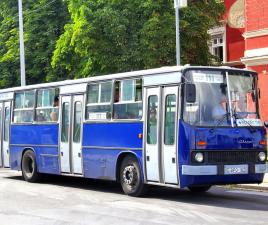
x=44, y=21
x=9, y=44
x=123, y=35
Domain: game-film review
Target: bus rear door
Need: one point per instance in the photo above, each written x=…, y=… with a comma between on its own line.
x=5, y=110
x=160, y=156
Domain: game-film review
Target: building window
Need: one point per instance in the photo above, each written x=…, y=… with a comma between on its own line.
x=217, y=44
x=217, y=47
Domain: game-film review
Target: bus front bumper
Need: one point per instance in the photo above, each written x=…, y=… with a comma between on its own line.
x=224, y=169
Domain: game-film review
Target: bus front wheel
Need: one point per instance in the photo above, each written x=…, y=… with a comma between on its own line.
x=131, y=178
x=199, y=189
x=29, y=167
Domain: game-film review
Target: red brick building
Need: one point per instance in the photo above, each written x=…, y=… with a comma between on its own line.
x=242, y=41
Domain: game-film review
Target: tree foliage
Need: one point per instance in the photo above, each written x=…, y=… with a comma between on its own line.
x=67, y=39
x=44, y=21
x=124, y=35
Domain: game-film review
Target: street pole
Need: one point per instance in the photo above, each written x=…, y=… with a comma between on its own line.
x=178, y=50
x=22, y=60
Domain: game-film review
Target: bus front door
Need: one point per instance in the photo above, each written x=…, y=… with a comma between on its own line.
x=160, y=156
x=70, y=134
x=6, y=133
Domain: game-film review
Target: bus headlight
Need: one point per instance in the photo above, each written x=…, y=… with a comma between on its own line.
x=199, y=157
x=262, y=156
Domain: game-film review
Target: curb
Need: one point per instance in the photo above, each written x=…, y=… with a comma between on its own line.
x=260, y=187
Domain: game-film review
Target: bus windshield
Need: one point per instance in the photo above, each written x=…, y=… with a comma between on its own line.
x=222, y=98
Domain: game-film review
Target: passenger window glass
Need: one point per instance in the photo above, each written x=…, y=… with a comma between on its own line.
x=77, y=122
x=24, y=107
x=128, y=99
x=47, y=105
x=170, y=116
x=93, y=93
x=7, y=123
x=106, y=91
x=65, y=122
x=99, y=101
x=127, y=90
x=152, y=120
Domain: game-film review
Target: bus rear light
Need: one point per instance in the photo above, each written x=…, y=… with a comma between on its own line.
x=201, y=143
x=140, y=136
x=262, y=142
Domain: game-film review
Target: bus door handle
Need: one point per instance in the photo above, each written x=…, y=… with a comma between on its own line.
x=148, y=158
x=79, y=154
x=61, y=153
x=173, y=160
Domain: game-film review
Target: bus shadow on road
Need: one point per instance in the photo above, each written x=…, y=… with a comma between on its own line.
x=216, y=196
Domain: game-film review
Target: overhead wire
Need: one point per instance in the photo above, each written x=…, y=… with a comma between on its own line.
x=29, y=12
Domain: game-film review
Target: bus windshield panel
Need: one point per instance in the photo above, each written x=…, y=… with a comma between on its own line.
x=222, y=99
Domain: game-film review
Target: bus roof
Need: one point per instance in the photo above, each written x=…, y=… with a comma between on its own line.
x=115, y=76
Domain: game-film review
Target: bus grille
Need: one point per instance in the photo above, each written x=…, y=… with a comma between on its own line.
x=232, y=157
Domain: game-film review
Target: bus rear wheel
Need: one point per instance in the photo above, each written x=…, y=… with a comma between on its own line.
x=199, y=189
x=131, y=178
x=29, y=167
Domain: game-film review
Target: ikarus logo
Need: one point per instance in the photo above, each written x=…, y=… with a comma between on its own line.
x=245, y=141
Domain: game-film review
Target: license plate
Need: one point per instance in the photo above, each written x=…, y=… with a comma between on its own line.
x=235, y=169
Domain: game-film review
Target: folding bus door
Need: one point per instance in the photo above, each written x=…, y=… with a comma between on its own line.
x=77, y=116
x=169, y=134
x=6, y=134
x=161, y=127
x=71, y=134
x=1, y=137
x=65, y=129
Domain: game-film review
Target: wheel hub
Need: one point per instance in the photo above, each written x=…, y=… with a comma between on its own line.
x=130, y=175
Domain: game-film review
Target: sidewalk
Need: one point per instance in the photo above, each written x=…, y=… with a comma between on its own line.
x=263, y=186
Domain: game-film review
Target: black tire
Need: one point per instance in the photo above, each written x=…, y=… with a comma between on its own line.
x=130, y=177
x=199, y=189
x=29, y=167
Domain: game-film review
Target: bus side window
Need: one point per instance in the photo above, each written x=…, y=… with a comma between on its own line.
x=47, y=109
x=128, y=99
x=99, y=97
x=24, y=107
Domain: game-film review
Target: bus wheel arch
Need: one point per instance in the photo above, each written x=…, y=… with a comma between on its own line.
x=29, y=166
x=129, y=174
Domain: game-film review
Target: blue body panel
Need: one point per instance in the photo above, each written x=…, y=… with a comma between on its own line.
x=104, y=142
x=42, y=139
x=123, y=135
x=220, y=138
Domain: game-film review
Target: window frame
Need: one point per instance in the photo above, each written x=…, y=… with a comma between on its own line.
x=86, y=119
x=47, y=107
x=128, y=102
x=216, y=32
x=112, y=102
x=24, y=109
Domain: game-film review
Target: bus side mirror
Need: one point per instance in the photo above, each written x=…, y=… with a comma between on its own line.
x=265, y=124
x=190, y=93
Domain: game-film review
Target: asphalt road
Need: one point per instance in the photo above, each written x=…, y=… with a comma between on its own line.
x=66, y=200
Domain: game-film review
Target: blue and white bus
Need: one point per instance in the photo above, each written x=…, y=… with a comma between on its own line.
x=175, y=126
